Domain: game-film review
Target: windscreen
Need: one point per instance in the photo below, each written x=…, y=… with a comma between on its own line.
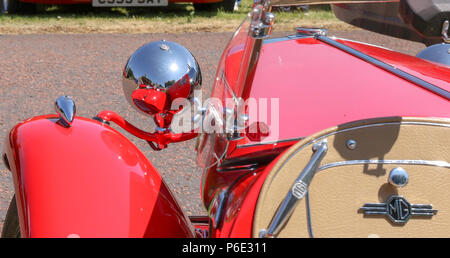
x=314, y=2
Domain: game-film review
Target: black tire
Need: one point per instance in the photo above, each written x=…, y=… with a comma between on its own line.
x=11, y=227
x=226, y=5
x=15, y=6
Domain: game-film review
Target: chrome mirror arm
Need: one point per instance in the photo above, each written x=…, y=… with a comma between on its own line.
x=297, y=192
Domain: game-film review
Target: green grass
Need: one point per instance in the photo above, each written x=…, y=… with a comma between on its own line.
x=173, y=18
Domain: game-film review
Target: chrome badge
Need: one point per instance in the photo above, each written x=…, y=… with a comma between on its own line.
x=398, y=209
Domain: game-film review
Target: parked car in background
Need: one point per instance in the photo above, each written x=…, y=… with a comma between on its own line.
x=27, y=6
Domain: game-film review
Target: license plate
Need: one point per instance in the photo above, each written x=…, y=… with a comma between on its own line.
x=108, y=3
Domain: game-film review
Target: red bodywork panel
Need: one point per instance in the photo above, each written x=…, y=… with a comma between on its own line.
x=88, y=181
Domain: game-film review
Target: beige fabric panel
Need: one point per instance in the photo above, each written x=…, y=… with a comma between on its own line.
x=337, y=193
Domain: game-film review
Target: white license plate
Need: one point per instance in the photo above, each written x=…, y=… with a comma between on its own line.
x=107, y=3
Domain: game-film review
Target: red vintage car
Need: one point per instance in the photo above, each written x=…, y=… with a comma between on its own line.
x=304, y=135
x=17, y=6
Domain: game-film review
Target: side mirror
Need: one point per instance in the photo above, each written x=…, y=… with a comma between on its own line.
x=158, y=73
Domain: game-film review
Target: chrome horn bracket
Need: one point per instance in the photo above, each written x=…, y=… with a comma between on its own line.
x=262, y=21
x=445, y=36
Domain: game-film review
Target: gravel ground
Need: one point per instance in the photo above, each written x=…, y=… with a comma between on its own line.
x=36, y=69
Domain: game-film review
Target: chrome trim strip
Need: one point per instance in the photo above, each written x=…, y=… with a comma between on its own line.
x=436, y=163
x=301, y=138
x=444, y=32
x=217, y=201
x=400, y=73
x=230, y=91
x=244, y=168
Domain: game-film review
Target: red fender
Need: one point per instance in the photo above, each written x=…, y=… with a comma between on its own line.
x=88, y=181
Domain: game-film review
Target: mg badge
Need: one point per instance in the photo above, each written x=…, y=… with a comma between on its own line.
x=398, y=209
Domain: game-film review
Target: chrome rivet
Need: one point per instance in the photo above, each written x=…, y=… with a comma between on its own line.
x=398, y=177
x=317, y=145
x=445, y=27
x=351, y=144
